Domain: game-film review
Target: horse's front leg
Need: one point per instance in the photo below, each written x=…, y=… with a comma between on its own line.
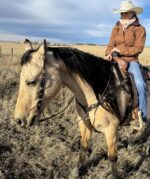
x=111, y=134
x=86, y=133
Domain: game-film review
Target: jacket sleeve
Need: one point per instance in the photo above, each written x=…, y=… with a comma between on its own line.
x=111, y=43
x=140, y=37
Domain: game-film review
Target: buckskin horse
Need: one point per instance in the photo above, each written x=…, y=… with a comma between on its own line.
x=102, y=100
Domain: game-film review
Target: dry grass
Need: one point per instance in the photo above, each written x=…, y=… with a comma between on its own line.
x=7, y=46
x=50, y=150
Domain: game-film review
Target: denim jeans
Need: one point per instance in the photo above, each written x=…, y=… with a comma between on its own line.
x=134, y=68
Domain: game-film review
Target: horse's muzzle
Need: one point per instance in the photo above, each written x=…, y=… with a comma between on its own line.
x=24, y=123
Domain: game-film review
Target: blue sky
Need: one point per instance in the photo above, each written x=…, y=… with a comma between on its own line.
x=66, y=21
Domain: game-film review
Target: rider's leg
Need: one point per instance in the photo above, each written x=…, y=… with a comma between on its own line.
x=134, y=68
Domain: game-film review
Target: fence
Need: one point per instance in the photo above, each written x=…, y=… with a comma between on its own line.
x=11, y=49
x=11, y=53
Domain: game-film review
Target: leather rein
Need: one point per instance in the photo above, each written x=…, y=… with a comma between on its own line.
x=100, y=102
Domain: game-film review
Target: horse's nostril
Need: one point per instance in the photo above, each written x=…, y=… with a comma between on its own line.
x=20, y=122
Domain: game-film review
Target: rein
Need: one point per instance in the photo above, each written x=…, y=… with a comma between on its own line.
x=70, y=101
x=100, y=101
x=123, y=86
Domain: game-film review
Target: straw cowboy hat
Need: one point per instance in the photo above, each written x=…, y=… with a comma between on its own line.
x=128, y=6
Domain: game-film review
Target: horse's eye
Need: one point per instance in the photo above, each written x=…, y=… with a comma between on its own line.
x=32, y=83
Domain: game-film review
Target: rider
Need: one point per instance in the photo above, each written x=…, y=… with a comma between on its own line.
x=128, y=40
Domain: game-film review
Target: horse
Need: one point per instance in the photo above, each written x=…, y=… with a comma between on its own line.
x=101, y=98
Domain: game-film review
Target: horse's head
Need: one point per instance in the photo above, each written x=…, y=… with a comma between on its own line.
x=39, y=81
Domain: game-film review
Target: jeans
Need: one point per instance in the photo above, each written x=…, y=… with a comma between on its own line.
x=134, y=68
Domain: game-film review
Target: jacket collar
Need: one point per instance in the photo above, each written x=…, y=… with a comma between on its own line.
x=136, y=23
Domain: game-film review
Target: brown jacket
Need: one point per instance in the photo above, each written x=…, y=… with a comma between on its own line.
x=130, y=42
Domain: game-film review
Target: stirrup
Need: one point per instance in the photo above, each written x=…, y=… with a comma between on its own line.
x=140, y=121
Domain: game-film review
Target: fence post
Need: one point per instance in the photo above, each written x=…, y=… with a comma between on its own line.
x=0, y=52
x=12, y=53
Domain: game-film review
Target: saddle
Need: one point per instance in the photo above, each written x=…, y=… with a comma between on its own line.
x=128, y=111
x=129, y=89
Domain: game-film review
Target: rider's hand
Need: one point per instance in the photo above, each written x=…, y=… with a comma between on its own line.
x=108, y=57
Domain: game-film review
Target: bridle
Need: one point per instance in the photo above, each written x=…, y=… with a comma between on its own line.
x=39, y=106
x=41, y=92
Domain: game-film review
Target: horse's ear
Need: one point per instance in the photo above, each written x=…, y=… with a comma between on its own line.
x=45, y=45
x=28, y=45
x=43, y=48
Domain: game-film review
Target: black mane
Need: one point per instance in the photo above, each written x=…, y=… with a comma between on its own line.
x=94, y=70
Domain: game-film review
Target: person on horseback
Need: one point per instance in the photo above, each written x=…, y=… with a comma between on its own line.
x=126, y=43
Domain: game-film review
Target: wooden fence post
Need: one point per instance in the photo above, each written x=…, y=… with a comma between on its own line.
x=0, y=52
x=12, y=53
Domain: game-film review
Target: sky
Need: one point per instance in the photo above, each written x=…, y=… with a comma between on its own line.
x=64, y=21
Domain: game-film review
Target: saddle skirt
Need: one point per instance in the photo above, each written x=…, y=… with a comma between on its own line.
x=131, y=111
x=127, y=96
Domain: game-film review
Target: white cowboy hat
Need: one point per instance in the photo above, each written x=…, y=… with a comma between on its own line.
x=128, y=6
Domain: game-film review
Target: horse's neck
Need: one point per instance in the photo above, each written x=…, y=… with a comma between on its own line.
x=84, y=93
